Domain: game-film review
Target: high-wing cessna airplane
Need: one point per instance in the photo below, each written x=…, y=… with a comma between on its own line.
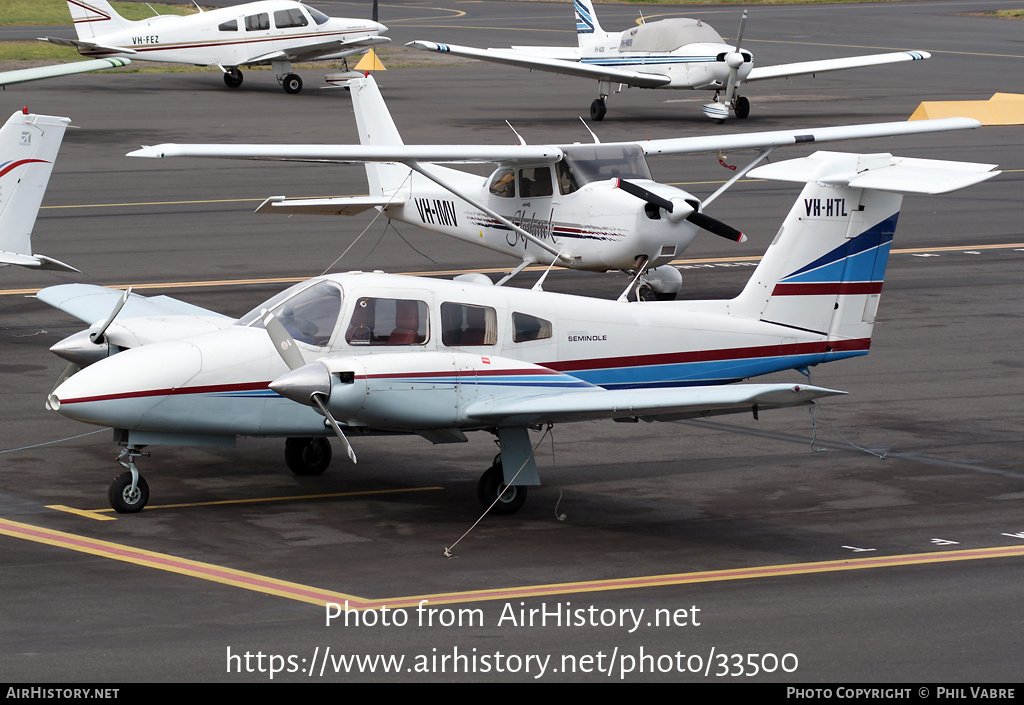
x=274, y=32
x=367, y=353
x=28, y=148
x=591, y=207
x=674, y=53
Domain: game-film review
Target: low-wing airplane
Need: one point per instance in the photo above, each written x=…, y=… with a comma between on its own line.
x=676, y=53
x=8, y=78
x=368, y=353
x=28, y=148
x=591, y=207
x=274, y=32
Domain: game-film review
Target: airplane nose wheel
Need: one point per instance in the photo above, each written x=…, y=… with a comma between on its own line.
x=598, y=109
x=291, y=83
x=511, y=498
x=129, y=492
x=233, y=78
x=742, y=107
x=307, y=456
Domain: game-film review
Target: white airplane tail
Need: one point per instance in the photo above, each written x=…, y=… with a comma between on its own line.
x=823, y=272
x=95, y=18
x=376, y=127
x=28, y=148
x=588, y=29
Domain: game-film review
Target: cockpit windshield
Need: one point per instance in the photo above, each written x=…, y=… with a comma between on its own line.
x=599, y=162
x=309, y=312
x=317, y=16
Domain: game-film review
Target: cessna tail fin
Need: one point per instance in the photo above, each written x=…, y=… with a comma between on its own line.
x=588, y=29
x=28, y=148
x=823, y=272
x=376, y=127
x=95, y=18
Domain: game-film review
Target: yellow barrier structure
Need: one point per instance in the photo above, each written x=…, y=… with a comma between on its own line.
x=370, y=62
x=1000, y=109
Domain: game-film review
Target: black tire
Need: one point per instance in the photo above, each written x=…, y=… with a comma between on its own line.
x=122, y=499
x=307, y=456
x=292, y=83
x=598, y=110
x=511, y=498
x=742, y=107
x=233, y=78
x=646, y=293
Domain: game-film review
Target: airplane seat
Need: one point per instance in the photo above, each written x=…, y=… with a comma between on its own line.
x=407, y=323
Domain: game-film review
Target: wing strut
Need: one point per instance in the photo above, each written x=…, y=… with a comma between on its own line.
x=761, y=155
x=559, y=257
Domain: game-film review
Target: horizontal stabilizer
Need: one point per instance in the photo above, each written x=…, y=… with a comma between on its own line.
x=326, y=206
x=676, y=403
x=90, y=303
x=879, y=172
x=803, y=68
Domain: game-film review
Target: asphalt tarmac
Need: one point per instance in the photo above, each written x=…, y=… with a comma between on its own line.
x=735, y=537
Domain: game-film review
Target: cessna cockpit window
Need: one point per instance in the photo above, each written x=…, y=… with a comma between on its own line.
x=566, y=179
x=229, y=26
x=308, y=313
x=526, y=327
x=290, y=18
x=463, y=324
x=317, y=16
x=388, y=322
x=600, y=162
x=535, y=182
x=503, y=183
x=257, y=22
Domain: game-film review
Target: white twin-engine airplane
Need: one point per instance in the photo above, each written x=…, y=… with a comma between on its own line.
x=373, y=353
x=590, y=207
x=28, y=148
x=274, y=32
x=676, y=53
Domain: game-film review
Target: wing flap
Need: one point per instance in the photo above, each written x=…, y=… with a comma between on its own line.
x=655, y=404
x=803, y=68
x=352, y=205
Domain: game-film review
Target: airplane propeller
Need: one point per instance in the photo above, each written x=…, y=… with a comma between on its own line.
x=735, y=60
x=315, y=383
x=678, y=209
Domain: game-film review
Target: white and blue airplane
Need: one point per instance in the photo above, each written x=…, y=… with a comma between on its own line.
x=28, y=149
x=675, y=53
x=590, y=207
x=371, y=353
x=274, y=32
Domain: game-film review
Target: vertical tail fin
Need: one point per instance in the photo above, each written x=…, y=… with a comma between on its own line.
x=588, y=29
x=93, y=18
x=375, y=126
x=823, y=272
x=28, y=148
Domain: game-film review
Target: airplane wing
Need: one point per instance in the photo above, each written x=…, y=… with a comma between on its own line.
x=326, y=206
x=854, y=62
x=550, y=64
x=8, y=78
x=36, y=262
x=83, y=45
x=90, y=303
x=357, y=153
x=648, y=404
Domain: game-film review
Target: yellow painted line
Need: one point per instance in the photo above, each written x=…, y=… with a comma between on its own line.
x=483, y=270
x=317, y=596
x=98, y=514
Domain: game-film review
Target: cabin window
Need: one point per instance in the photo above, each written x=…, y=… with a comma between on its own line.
x=254, y=23
x=309, y=314
x=283, y=19
x=229, y=26
x=466, y=325
x=503, y=183
x=388, y=322
x=535, y=182
x=317, y=16
x=566, y=179
x=526, y=327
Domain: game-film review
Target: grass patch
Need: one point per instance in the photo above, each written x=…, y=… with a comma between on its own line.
x=1009, y=14
x=55, y=12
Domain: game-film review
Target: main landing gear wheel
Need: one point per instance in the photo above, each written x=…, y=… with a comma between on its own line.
x=233, y=78
x=598, y=109
x=307, y=456
x=742, y=108
x=292, y=83
x=121, y=496
x=511, y=498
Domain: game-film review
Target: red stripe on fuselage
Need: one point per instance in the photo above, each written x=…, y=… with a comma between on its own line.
x=827, y=289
